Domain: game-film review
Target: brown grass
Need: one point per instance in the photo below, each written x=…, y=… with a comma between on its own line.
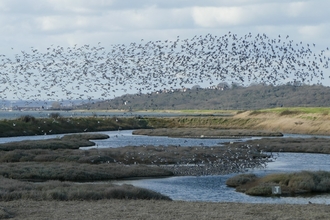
x=66, y=142
x=143, y=161
x=157, y=155
x=291, y=183
x=65, y=191
x=204, y=132
x=34, y=171
x=160, y=209
x=288, y=121
x=297, y=145
x=240, y=180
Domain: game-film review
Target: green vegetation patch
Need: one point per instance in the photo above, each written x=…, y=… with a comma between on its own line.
x=295, y=110
x=28, y=125
x=290, y=183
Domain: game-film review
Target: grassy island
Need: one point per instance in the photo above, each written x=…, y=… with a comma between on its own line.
x=304, y=182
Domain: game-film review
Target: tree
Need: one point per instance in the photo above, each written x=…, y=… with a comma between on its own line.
x=223, y=86
x=235, y=85
x=56, y=105
x=196, y=87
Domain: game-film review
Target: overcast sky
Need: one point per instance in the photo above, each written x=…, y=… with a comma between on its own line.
x=41, y=23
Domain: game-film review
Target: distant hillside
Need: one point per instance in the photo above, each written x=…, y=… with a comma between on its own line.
x=247, y=98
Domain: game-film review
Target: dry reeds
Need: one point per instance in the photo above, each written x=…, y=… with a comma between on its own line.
x=240, y=179
x=205, y=133
x=66, y=142
x=34, y=171
x=298, y=145
x=28, y=125
x=291, y=183
x=64, y=191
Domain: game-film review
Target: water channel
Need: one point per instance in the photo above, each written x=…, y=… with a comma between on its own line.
x=210, y=188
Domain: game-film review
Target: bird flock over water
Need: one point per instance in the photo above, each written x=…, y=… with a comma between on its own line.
x=95, y=72
x=193, y=161
x=241, y=159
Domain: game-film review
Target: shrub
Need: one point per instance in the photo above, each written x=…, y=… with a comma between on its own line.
x=27, y=118
x=55, y=115
x=260, y=190
x=291, y=183
x=255, y=112
x=65, y=191
x=289, y=112
x=4, y=213
x=13, y=156
x=325, y=113
x=240, y=179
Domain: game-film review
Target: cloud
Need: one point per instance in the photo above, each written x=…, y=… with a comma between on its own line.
x=275, y=13
x=215, y=16
x=125, y=21
x=312, y=31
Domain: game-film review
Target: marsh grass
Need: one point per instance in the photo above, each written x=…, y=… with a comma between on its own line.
x=298, y=145
x=291, y=183
x=289, y=112
x=65, y=191
x=66, y=142
x=5, y=213
x=204, y=132
x=255, y=112
x=240, y=180
x=302, y=110
x=40, y=164
x=124, y=162
x=28, y=125
x=280, y=112
x=66, y=150
x=34, y=171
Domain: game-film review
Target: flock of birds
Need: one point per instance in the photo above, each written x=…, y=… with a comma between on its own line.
x=194, y=161
x=231, y=161
x=95, y=72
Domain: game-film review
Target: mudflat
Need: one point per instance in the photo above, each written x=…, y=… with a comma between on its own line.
x=150, y=209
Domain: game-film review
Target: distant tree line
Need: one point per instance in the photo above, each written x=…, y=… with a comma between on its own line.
x=255, y=96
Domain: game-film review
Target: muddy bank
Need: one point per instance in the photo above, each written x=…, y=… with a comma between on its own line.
x=206, y=133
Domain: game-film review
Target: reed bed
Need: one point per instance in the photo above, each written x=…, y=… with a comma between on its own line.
x=291, y=183
x=296, y=145
x=67, y=191
x=66, y=142
x=28, y=125
x=34, y=171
